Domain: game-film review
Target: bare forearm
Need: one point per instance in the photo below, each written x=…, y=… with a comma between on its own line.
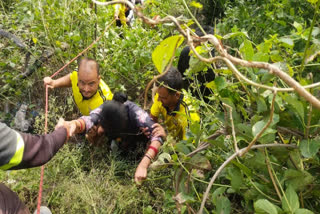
x=150, y=154
x=62, y=82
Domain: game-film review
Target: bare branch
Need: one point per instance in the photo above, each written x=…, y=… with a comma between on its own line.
x=232, y=126
x=272, y=179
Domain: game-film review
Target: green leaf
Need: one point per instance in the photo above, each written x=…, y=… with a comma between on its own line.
x=313, y=1
x=286, y=42
x=263, y=206
x=296, y=105
x=200, y=162
x=262, y=106
x=218, y=192
x=232, y=35
x=298, y=26
x=223, y=205
x=247, y=50
x=164, y=51
x=236, y=178
x=297, y=179
x=244, y=130
x=309, y=148
x=181, y=147
x=292, y=203
x=243, y=168
x=303, y=211
x=264, y=47
x=220, y=83
x=261, y=57
x=257, y=127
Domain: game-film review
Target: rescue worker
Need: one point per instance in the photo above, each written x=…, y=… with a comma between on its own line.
x=20, y=151
x=89, y=90
x=170, y=102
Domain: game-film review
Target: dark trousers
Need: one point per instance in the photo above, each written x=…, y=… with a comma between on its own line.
x=10, y=202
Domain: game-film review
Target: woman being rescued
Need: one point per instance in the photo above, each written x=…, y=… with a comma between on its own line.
x=125, y=123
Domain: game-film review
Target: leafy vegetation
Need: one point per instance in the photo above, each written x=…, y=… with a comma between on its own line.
x=84, y=179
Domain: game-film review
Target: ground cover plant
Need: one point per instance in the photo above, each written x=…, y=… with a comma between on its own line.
x=260, y=47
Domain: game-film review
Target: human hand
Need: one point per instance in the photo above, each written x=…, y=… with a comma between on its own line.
x=145, y=131
x=141, y=174
x=69, y=125
x=158, y=131
x=94, y=135
x=48, y=81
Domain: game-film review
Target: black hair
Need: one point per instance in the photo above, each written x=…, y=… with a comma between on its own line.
x=86, y=60
x=171, y=80
x=114, y=118
x=120, y=97
x=206, y=28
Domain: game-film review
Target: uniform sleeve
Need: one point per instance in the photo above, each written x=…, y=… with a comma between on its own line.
x=155, y=108
x=20, y=150
x=73, y=76
x=39, y=149
x=93, y=118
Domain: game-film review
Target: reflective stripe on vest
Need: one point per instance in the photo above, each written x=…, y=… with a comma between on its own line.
x=17, y=157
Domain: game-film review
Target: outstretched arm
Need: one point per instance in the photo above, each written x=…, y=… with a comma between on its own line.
x=21, y=150
x=142, y=169
x=62, y=82
x=158, y=135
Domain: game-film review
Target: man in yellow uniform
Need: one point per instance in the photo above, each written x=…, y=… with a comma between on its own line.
x=170, y=103
x=123, y=14
x=89, y=90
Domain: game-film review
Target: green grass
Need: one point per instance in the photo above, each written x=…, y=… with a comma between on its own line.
x=84, y=179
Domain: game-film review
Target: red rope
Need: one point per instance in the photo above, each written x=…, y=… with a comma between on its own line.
x=46, y=108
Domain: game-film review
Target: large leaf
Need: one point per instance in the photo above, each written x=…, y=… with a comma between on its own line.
x=257, y=127
x=223, y=205
x=200, y=162
x=297, y=179
x=309, y=148
x=286, y=42
x=220, y=83
x=263, y=206
x=164, y=51
x=236, y=178
x=292, y=203
x=218, y=192
x=297, y=106
x=262, y=106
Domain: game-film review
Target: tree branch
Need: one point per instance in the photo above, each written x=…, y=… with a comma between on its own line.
x=232, y=126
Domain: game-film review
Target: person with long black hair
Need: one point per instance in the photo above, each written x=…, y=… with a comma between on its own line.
x=125, y=123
